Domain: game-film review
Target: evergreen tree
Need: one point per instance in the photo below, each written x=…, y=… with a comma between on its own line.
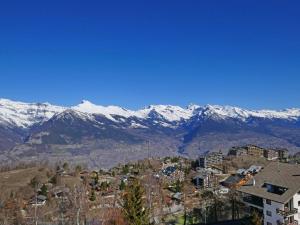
x=66, y=166
x=122, y=185
x=78, y=169
x=43, y=190
x=93, y=196
x=134, y=206
x=178, y=186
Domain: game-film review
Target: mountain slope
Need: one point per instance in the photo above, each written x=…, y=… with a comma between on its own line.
x=104, y=135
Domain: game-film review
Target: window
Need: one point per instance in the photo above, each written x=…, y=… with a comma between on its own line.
x=298, y=203
x=268, y=201
x=268, y=223
x=269, y=213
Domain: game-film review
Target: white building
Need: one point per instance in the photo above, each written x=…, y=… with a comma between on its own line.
x=275, y=191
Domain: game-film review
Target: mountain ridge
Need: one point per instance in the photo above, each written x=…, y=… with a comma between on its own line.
x=44, y=111
x=106, y=134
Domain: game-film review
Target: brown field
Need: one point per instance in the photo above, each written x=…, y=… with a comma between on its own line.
x=14, y=180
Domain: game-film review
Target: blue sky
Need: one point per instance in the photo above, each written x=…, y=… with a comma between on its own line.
x=135, y=53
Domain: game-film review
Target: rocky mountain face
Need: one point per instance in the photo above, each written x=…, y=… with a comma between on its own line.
x=106, y=135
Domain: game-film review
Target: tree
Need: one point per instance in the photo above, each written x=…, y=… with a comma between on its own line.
x=54, y=180
x=256, y=218
x=178, y=186
x=104, y=186
x=66, y=166
x=134, y=206
x=78, y=169
x=43, y=190
x=34, y=182
x=122, y=185
x=125, y=169
x=207, y=198
x=93, y=196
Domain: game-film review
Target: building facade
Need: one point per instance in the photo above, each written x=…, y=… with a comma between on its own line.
x=255, y=151
x=270, y=154
x=212, y=158
x=237, y=151
x=275, y=192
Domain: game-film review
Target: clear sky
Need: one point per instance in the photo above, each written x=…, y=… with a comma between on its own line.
x=135, y=53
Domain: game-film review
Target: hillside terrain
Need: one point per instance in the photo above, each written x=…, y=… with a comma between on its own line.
x=106, y=135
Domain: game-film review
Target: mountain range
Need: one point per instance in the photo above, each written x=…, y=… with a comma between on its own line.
x=103, y=136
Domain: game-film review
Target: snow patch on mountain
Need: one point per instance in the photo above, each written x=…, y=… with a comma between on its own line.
x=20, y=114
x=24, y=115
x=168, y=112
x=108, y=111
x=243, y=114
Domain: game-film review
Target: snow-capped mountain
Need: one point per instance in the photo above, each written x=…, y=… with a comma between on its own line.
x=24, y=115
x=20, y=114
x=87, y=128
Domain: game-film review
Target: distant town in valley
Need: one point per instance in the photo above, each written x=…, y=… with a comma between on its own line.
x=132, y=112
x=248, y=185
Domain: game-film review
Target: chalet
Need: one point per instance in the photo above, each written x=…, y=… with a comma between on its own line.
x=60, y=192
x=38, y=200
x=275, y=192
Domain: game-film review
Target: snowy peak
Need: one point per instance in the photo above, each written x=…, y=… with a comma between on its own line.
x=243, y=114
x=71, y=115
x=20, y=114
x=168, y=112
x=108, y=111
x=24, y=115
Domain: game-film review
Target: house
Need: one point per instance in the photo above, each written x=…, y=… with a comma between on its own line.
x=169, y=170
x=205, y=178
x=275, y=192
x=201, y=181
x=232, y=181
x=241, y=172
x=253, y=169
x=177, y=196
x=60, y=192
x=38, y=200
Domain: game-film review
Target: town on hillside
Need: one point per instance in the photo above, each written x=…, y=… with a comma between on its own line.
x=250, y=185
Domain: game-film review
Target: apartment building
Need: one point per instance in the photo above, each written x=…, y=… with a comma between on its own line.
x=275, y=192
x=237, y=151
x=254, y=151
x=212, y=158
x=283, y=154
x=270, y=154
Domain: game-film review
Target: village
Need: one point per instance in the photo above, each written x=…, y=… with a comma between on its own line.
x=212, y=189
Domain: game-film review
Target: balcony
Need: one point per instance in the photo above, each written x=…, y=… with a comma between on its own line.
x=254, y=201
x=287, y=212
x=295, y=222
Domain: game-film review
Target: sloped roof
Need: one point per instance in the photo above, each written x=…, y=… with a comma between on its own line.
x=279, y=174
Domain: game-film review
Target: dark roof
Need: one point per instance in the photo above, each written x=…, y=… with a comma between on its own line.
x=41, y=197
x=278, y=174
x=233, y=179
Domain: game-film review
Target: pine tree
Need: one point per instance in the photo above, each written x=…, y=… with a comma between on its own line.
x=43, y=190
x=134, y=206
x=93, y=196
x=122, y=185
